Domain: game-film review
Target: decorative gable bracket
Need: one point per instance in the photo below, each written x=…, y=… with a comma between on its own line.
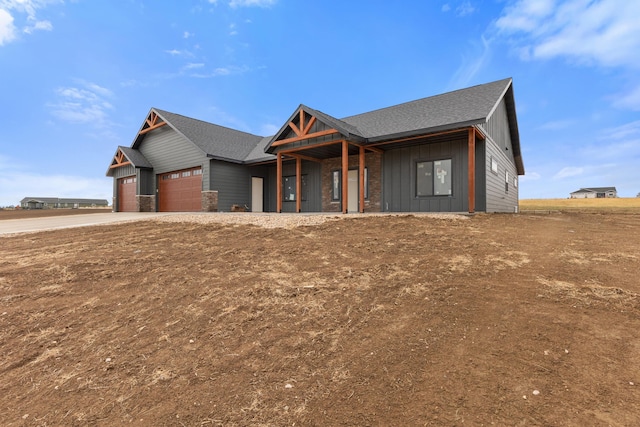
x=153, y=122
x=119, y=160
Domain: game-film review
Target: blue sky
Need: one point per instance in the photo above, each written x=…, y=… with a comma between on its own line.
x=77, y=78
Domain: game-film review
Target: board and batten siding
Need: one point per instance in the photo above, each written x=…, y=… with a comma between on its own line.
x=314, y=187
x=169, y=151
x=500, y=197
x=232, y=182
x=399, y=178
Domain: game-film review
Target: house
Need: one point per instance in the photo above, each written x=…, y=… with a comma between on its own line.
x=594, y=193
x=57, y=203
x=454, y=152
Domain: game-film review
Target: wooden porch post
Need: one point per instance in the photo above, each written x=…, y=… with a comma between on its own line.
x=298, y=183
x=472, y=169
x=279, y=182
x=345, y=176
x=361, y=178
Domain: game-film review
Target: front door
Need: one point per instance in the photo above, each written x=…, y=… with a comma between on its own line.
x=352, y=205
x=256, y=194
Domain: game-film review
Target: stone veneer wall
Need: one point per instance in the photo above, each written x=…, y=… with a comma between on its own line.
x=373, y=162
x=209, y=201
x=146, y=203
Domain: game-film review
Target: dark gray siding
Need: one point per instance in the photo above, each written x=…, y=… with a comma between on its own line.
x=314, y=187
x=399, y=178
x=500, y=197
x=123, y=171
x=168, y=151
x=232, y=182
x=481, y=176
x=146, y=182
x=498, y=127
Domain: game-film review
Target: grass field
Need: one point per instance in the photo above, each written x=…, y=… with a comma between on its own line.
x=630, y=205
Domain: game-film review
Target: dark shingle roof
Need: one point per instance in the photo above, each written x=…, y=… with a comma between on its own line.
x=595, y=190
x=459, y=108
x=215, y=141
x=136, y=157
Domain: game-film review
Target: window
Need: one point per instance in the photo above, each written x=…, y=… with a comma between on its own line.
x=433, y=178
x=186, y=174
x=289, y=188
x=336, y=186
x=197, y=172
x=506, y=181
x=494, y=165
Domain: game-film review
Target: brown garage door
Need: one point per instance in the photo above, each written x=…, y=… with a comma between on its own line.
x=180, y=191
x=127, y=194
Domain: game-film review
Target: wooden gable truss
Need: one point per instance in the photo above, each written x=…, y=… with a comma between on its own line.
x=301, y=129
x=152, y=122
x=119, y=160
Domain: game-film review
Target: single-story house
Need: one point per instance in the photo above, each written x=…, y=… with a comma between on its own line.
x=454, y=152
x=59, y=203
x=594, y=193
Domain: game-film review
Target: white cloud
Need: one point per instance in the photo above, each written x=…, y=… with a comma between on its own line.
x=38, y=25
x=629, y=100
x=85, y=104
x=7, y=29
x=248, y=3
x=530, y=176
x=603, y=33
x=223, y=71
x=568, y=171
x=446, y=7
x=187, y=34
x=192, y=66
x=465, y=9
x=622, y=132
x=9, y=9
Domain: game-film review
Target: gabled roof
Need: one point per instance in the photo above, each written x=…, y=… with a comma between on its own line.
x=215, y=141
x=595, y=190
x=457, y=109
x=135, y=157
x=453, y=110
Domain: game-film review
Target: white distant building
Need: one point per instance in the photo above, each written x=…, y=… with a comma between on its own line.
x=595, y=193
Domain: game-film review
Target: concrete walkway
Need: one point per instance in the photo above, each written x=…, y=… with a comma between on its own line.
x=29, y=225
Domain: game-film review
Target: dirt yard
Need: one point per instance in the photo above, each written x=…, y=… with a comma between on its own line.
x=519, y=320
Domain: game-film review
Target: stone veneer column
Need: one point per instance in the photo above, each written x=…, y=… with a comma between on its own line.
x=146, y=203
x=209, y=201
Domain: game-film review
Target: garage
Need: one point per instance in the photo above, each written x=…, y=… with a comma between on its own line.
x=180, y=191
x=127, y=194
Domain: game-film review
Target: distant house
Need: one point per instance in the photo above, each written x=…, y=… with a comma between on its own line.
x=454, y=152
x=595, y=193
x=58, y=203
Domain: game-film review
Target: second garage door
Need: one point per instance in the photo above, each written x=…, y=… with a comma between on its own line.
x=180, y=191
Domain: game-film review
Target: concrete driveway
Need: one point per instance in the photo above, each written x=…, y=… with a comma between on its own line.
x=29, y=225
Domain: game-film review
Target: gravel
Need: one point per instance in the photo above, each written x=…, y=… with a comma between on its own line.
x=286, y=220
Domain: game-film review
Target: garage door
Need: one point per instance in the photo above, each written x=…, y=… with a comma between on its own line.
x=180, y=191
x=127, y=194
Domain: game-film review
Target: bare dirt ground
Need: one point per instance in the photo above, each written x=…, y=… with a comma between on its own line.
x=384, y=320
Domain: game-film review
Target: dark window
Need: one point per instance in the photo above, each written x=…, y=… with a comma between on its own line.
x=336, y=185
x=433, y=178
x=289, y=188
